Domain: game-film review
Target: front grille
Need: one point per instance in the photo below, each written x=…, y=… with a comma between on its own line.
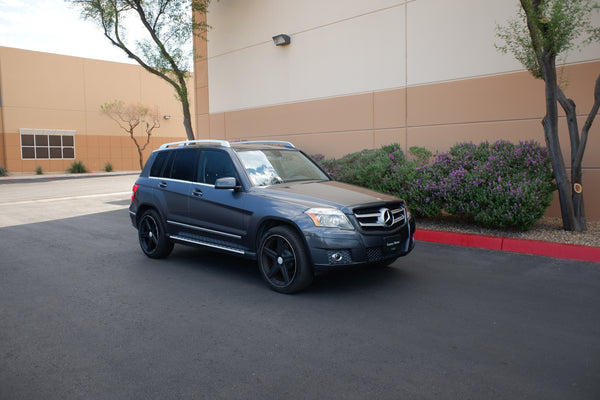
x=375, y=254
x=381, y=218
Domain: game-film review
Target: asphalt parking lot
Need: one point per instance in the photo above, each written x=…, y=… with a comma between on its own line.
x=85, y=315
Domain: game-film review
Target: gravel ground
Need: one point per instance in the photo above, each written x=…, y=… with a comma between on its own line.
x=548, y=229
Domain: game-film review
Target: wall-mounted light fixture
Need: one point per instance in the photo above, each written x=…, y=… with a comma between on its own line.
x=281, y=40
x=166, y=116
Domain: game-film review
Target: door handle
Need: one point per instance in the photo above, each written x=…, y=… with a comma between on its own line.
x=162, y=185
x=197, y=192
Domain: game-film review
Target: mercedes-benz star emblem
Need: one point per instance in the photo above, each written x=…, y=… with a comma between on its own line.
x=385, y=217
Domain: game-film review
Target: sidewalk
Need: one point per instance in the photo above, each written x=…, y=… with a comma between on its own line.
x=50, y=175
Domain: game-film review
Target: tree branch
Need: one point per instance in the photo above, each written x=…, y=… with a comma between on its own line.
x=590, y=119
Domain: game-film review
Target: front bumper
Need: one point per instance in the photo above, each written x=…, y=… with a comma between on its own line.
x=334, y=248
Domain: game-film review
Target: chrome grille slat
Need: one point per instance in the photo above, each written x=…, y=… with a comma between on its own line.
x=371, y=218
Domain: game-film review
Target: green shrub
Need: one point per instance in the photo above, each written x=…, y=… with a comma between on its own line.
x=77, y=168
x=108, y=167
x=38, y=170
x=502, y=185
x=3, y=171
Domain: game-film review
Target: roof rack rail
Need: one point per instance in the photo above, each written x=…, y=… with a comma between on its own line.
x=223, y=143
x=273, y=142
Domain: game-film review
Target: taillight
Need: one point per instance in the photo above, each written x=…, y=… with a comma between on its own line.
x=135, y=188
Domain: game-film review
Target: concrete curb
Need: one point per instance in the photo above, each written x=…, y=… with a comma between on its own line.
x=54, y=176
x=525, y=246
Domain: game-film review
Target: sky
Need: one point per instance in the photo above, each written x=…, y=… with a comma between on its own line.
x=53, y=26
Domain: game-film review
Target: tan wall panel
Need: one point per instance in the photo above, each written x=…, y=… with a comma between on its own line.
x=123, y=80
x=154, y=91
x=513, y=96
x=442, y=137
x=334, y=145
x=2, y=150
x=502, y=97
x=339, y=114
x=42, y=118
x=579, y=84
x=591, y=157
x=202, y=127
x=99, y=124
x=201, y=71
x=591, y=187
x=217, y=126
x=389, y=136
x=389, y=109
x=41, y=80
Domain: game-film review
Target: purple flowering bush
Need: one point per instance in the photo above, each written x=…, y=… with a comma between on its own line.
x=501, y=185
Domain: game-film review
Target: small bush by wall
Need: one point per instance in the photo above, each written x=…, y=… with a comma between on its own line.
x=501, y=185
x=77, y=167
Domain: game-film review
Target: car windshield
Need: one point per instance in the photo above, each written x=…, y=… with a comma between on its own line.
x=271, y=167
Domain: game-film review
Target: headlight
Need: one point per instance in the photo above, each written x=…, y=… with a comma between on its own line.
x=329, y=217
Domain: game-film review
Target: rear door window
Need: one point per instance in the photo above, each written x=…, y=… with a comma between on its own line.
x=184, y=165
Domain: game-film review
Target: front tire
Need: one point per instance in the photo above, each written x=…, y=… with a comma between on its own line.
x=152, y=235
x=283, y=261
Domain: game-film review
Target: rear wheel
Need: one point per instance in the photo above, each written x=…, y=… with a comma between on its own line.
x=283, y=261
x=152, y=235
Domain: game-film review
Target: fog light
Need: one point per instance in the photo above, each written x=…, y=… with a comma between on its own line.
x=339, y=256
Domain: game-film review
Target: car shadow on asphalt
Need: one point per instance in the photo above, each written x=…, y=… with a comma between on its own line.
x=243, y=270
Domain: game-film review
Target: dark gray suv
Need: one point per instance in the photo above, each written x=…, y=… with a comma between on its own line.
x=266, y=201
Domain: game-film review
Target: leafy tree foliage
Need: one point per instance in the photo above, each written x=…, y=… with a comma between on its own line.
x=544, y=31
x=129, y=117
x=166, y=49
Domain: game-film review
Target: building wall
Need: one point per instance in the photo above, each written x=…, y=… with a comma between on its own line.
x=361, y=74
x=49, y=91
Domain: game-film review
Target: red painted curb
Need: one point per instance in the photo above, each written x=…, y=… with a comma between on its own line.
x=526, y=246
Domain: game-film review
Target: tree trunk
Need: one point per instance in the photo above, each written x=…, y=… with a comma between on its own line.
x=185, y=104
x=570, y=109
x=550, y=123
x=141, y=157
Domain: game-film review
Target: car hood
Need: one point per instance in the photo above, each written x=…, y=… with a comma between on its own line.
x=325, y=194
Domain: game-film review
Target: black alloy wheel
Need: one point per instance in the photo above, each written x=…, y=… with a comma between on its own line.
x=283, y=260
x=152, y=236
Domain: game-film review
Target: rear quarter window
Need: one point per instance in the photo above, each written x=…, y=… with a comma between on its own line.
x=158, y=167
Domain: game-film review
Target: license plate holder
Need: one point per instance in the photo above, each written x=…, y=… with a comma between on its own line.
x=392, y=244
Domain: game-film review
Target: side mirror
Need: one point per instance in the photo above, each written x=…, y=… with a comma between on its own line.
x=227, y=183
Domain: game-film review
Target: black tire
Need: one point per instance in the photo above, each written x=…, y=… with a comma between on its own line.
x=283, y=261
x=152, y=235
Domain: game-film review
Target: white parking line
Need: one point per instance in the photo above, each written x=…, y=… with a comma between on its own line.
x=89, y=196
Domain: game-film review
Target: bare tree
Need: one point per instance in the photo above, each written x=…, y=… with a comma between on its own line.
x=543, y=31
x=166, y=51
x=129, y=117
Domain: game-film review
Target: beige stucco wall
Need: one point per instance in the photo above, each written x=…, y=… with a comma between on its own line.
x=361, y=74
x=49, y=91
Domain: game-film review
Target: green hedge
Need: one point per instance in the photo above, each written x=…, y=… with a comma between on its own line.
x=502, y=185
